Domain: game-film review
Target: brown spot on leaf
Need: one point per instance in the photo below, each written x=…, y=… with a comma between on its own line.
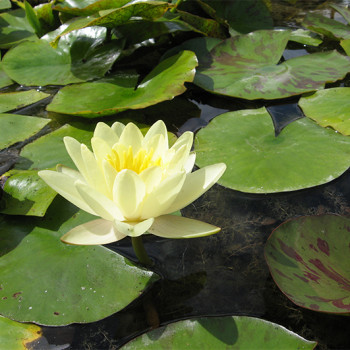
x=302, y=278
x=56, y=313
x=314, y=306
x=323, y=246
x=15, y=295
x=290, y=251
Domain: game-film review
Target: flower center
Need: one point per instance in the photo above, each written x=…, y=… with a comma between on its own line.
x=122, y=158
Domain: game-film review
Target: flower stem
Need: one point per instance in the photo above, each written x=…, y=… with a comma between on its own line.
x=178, y=2
x=140, y=251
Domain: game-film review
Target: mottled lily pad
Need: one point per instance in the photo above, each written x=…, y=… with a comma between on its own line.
x=25, y=193
x=16, y=336
x=19, y=99
x=19, y=128
x=301, y=156
x=246, y=66
x=80, y=57
x=104, y=98
x=4, y=78
x=309, y=260
x=77, y=283
x=219, y=333
x=329, y=107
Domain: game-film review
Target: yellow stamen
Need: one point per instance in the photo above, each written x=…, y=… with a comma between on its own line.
x=120, y=159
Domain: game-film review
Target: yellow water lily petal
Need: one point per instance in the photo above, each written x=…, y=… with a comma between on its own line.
x=151, y=177
x=189, y=163
x=196, y=184
x=131, y=136
x=93, y=232
x=118, y=128
x=64, y=185
x=158, y=128
x=100, y=148
x=157, y=202
x=94, y=175
x=110, y=173
x=128, y=192
x=185, y=139
x=99, y=203
x=133, y=229
x=156, y=144
x=178, y=160
x=103, y=131
x=74, y=174
x=172, y=226
x=73, y=148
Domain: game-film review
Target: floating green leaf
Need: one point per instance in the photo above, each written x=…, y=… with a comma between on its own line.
x=301, y=156
x=77, y=283
x=25, y=193
x=329, y=107
x=15, y=335
x=4, y=78
x=104, y=98
x=219, y=333
x=78, y=58
x=308, y=258
x=19, y=128
x=246, y=66
x=15, y=28
x=326, y=26
x=305, y=37
x=19, y=99
x=47, y=151
x=5, y=4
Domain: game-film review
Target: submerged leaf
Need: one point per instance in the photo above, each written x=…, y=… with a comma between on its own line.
x=308, y=258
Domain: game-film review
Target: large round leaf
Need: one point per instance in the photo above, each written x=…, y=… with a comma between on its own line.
x=18, y=128
x=4, y=78
x=78, y=58
x=105, y=98
x=49, y=282
x=246, y=66
x=309, y=260
x=302, y=155
x=329, y=107
x=19, y=99
x=15, y=335
x=237, y=332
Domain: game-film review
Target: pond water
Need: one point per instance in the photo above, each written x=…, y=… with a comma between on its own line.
x=226, y=273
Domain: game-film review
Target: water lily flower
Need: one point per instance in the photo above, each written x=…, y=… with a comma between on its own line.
x=133, y=183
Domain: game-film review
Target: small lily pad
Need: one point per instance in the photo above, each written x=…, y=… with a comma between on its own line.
x=219, y=333
x=309, y=258
x=48, y=282
x=301, y=156
x=97, y=99
x=25, y=193
x=19, y=99
x=19, y=128
x=246, y=66
x=16, y=336
x=329, y=107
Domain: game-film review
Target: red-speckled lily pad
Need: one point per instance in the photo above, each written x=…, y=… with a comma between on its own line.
x=247, y=66
x=309, y=260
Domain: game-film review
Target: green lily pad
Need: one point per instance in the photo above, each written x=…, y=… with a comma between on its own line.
x=49, y=150
x=231, y=332
x=16, y=336
x=326, y=26
x=19, y=128
x=25, y=193
x=4, y=78
x=246, y=66
x=14, y=28
x=19, y=99
x=47, y=282
x=5, y=4
x=80, y=57
x=308, y=258
x=104, y=98
x=329, y=107
x=149, y=10
x=305, y=37
x=301, y=156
